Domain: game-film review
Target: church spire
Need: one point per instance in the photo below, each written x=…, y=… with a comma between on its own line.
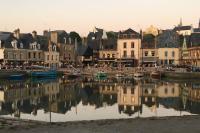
x=181, y=23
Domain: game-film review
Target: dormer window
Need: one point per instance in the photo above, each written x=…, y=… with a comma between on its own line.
x=14, y=44
x=21, y=45
x=33, y=46
x=38, y=46
x=54, y=47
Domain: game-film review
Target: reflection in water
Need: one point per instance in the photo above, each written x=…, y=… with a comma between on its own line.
x=89, y=99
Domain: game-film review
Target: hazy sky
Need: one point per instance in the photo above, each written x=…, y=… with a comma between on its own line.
x=83, y=15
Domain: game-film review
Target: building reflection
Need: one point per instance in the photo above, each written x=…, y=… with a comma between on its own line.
x=59, y=96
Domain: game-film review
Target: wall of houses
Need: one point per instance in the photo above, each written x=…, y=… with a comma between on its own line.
x=51, y=59
x=107, y=54
x=131, y=51
x=168, y=56
x=129, y=95
x=168, y=90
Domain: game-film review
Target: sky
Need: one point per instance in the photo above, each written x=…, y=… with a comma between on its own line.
x=83, y=15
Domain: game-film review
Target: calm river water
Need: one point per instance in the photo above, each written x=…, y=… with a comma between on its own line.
x=60, y=100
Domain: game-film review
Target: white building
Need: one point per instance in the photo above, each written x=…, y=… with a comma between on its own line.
x=128, y=47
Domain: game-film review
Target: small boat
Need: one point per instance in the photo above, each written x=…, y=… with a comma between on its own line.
x=139, y=74
x=101, y=74
x=156, y=75
x=16, y=77
x=40, y=74
x=119, y=75
x=72, y=75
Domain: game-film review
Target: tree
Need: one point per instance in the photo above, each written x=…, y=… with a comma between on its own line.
x=74, y=35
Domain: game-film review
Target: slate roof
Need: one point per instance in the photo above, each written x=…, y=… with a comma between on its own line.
x=179, y=28
x=195, y=39
x=130, y=34
x=148, y=41
x=168, y=39
x=95, y=41
x=84, y=50
x=26, y=39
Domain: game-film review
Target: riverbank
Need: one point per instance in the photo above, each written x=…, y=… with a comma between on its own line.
x=185, y=124
x=110, y=72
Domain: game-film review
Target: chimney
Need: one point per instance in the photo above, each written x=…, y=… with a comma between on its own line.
x=45, y=33
x=17, y=33
x=34, y=34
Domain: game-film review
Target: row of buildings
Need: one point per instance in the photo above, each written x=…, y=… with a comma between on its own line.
x=177, y=46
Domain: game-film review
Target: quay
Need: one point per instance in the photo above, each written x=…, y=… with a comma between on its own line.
x=111, y=72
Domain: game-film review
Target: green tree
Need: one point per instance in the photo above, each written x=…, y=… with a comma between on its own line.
x=73, y=35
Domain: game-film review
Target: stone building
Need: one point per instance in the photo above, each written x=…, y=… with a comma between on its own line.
x=128, y=47
x=168, y=48
x=149, y=51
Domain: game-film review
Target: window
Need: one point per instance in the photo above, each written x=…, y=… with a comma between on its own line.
x=152, y=53
x=166, y=53
x=132, y=44
x=21, y=45
x=125, y=53
x=113, y=55
x=47, y=57
x=132, y=53
x=132, y=90
x=104, y=55
x=173, y=91
x=38, y=46
x=29, y=55
x=173, y=54
x=34, y=55
x=146, y=53
x=166, y=91
x=108, y=55
x=39, y=55
x=52, y=57
x=125, y=44
x=124, y=90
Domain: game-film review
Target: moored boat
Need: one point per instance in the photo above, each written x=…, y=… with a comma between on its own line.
x=16, y=77
x=101, y=74
x=72, y=75
x=139, y=74
x=50, y=73
x=156, y=75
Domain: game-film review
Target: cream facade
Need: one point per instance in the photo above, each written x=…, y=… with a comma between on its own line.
x=129, y=95
x=168, y=90
x=51, y=59
x=128, y=48
x=168, y=56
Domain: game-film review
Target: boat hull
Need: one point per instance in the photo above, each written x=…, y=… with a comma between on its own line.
x=44, y=74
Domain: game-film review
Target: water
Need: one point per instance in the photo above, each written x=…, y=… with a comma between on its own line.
x=58, y=100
